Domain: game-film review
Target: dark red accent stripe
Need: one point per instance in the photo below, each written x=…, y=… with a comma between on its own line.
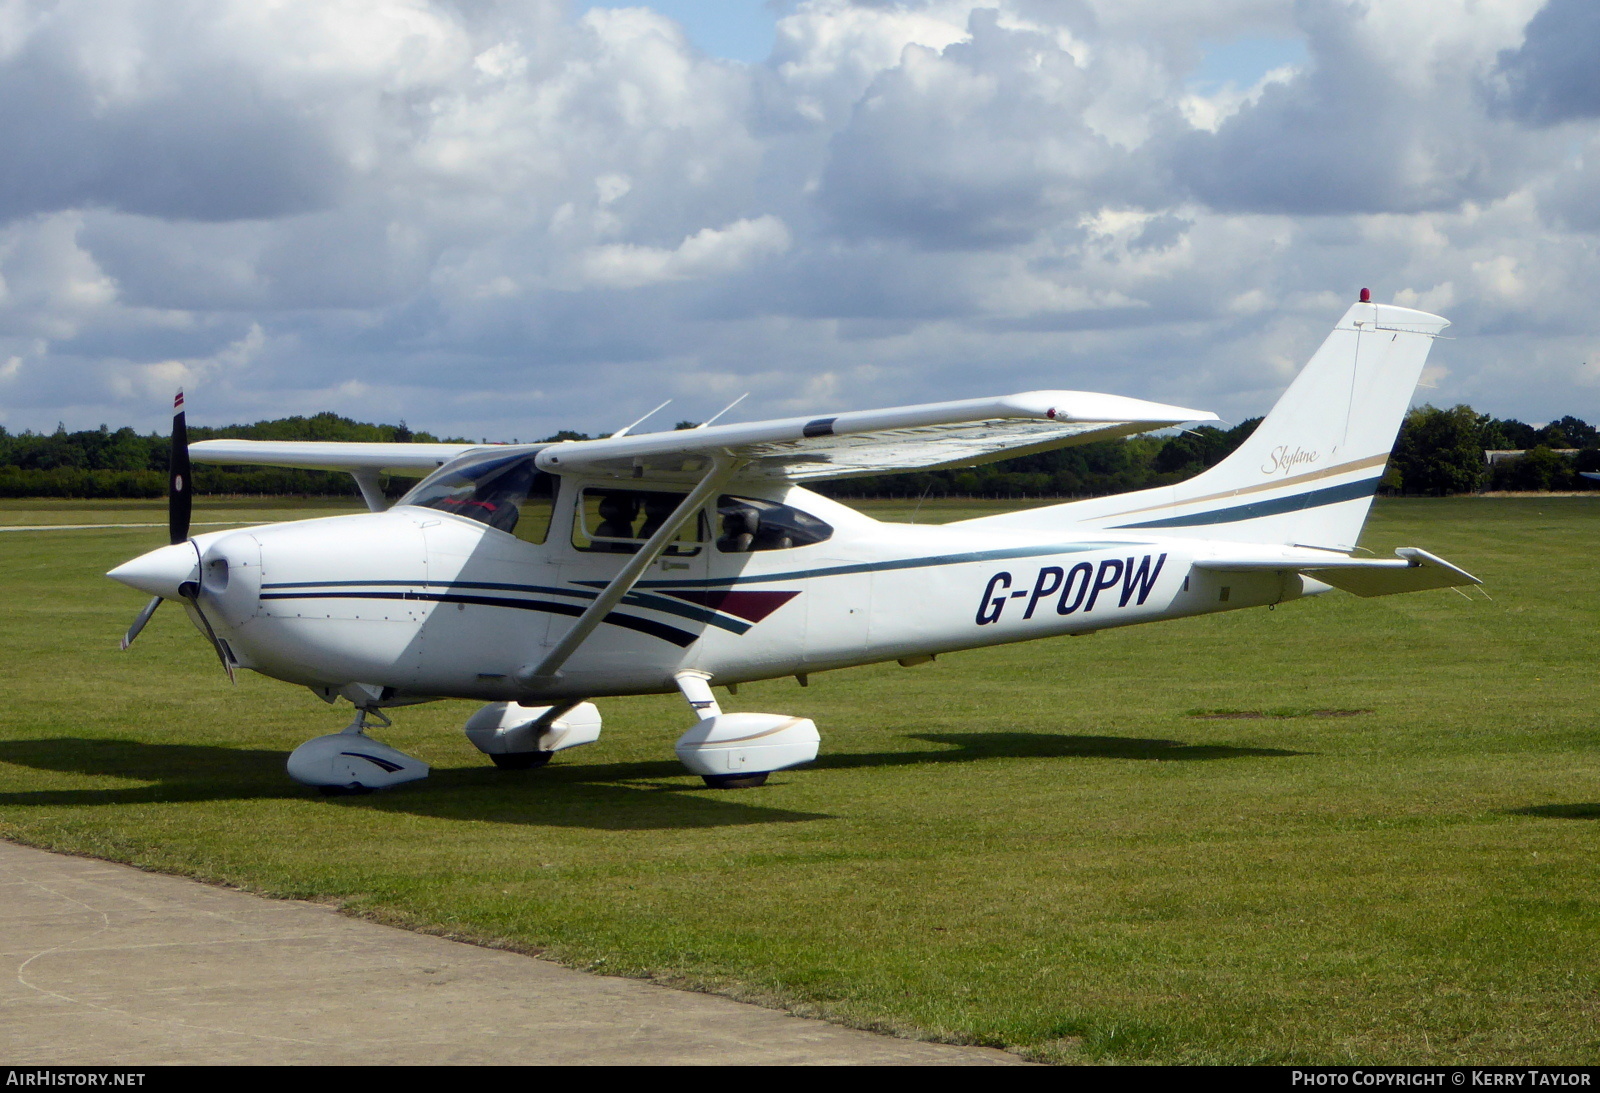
x=681, y=638
x=750, y=606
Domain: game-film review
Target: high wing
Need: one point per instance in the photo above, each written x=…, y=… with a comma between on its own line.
x=406, y=460
x=363, y=461
x=902, y=438
x=1413, y=571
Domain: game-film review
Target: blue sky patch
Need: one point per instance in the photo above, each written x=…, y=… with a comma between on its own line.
x=736, y=30
x=1243, y=61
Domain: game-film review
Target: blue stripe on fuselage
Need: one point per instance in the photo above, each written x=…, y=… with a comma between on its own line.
x=681, y=638
x=879, y=567
x=1312, y=499
x=634, y=599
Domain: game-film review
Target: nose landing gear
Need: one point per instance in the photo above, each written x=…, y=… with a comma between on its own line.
x=350, y=761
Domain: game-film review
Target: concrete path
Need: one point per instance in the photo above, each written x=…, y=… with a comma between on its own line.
x=117, y=967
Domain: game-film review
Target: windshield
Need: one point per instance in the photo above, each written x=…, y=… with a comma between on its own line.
x=507, y=492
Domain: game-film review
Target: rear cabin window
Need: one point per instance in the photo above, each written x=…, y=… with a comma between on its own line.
x=748, y=524
x=509, y=494
x=619, y=521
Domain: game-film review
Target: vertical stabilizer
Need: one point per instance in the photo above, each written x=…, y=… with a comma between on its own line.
x=1308, y=474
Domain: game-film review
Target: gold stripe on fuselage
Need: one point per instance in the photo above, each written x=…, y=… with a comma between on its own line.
x=1294, y=480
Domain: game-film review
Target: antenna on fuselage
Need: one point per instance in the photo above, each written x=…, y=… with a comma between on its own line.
x=624, y=430
x=722, y=411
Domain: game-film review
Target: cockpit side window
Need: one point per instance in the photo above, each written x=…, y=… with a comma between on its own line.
x=750, y=524
x=619, y=521
x=509, y=494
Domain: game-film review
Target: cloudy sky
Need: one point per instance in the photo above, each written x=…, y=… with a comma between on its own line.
x=503, y=218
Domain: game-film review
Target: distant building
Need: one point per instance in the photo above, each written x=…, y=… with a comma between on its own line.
x=1492, y=457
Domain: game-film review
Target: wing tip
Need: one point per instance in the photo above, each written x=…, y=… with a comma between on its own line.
x=1093, y=407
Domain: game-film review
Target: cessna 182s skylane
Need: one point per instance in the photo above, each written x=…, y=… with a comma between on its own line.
x=536, y=577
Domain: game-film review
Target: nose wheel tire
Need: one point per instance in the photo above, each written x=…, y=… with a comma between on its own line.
x=354, y=789
x=521, y=760
x=735, y=781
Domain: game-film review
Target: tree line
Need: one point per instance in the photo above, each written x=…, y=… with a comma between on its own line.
x=1439, y=451
x=124, y=463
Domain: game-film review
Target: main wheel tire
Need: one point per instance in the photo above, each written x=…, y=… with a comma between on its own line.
x=521, y=760
x=354, y=789
x=736, y=781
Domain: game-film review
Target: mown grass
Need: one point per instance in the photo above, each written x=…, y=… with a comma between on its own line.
x=1040, y=846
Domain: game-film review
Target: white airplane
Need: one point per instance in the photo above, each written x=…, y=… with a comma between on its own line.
x=536, y=577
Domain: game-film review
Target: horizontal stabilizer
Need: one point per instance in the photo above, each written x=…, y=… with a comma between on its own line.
x=406, y=460
x=1413, y=571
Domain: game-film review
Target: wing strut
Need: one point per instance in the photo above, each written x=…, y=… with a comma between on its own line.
x=549, y=669
x=371, y=490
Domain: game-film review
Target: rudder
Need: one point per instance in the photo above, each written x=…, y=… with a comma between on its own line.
x=1308, y=474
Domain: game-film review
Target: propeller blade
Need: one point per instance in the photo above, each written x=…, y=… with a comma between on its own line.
x=179, y=509
x=178, y=500
x=191, y=593
x=138, y=623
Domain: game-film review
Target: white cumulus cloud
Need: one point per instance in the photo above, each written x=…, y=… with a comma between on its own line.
x=709, y=252
x=507, y=218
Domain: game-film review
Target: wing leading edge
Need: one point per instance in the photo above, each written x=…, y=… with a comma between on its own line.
x=355, y=457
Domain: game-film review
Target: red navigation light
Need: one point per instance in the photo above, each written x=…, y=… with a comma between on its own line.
x=1366, y=295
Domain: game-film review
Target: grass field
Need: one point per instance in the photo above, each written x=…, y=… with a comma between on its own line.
x=1043, y=847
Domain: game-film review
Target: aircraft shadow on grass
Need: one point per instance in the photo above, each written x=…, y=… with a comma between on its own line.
x=192, y=772
x=1590, y=811
x=573, y=794
x=969, y=746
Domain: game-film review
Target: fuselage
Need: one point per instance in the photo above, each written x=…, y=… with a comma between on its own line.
x=416, y=603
